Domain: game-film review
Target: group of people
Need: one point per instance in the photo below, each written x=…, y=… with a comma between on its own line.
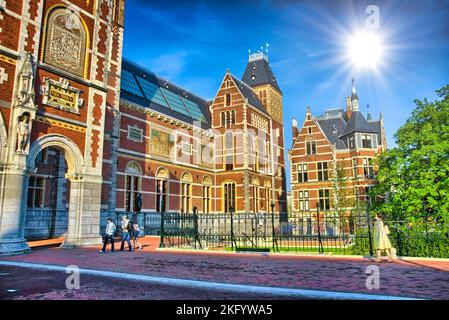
x=130, y=232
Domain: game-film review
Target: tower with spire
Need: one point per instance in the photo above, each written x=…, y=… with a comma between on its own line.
x=259, y=76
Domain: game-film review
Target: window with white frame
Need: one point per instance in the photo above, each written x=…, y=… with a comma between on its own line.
x=323, y=172
x=324, y=199
x=304, y=200
x=303, y=175
x=366, y=141
x=368, y=168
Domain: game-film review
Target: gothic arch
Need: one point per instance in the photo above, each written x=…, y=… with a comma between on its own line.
x=73, y=155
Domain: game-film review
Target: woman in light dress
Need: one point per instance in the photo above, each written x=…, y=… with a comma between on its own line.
x=381, y=240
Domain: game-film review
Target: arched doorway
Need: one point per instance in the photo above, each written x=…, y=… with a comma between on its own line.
x=83, y=190
x=48, y=196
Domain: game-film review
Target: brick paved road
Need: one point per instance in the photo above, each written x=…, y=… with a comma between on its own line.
x=405, y=278
x=31, y=284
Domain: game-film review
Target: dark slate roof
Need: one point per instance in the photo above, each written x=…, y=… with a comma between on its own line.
x=375, y=124
x=358, y=123
x=333, y=128
x=249, y=94
x=138, y=96
x=258, y=72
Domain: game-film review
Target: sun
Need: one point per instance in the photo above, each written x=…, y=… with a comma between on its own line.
x=365, y=50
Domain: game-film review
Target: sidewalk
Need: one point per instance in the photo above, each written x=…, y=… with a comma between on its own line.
x=420, y=279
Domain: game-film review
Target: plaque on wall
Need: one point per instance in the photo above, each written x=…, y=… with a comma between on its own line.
x=65, y=41
x=60, y=95
x=162, y=143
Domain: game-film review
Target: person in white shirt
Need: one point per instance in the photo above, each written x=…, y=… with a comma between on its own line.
x=108, y=235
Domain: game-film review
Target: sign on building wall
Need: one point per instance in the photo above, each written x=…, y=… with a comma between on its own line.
x=162, y=143
x=61, y=95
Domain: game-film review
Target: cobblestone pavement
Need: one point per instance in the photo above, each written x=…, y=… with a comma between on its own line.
x=421, y=279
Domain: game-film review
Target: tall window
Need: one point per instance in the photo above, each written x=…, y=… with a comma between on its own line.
x=36, y=192
x=207, y=182
x=366, y=141
x=132, y=186
x=351, y=142
x=311, y=147
x=324, y=199
x=161, y=189
x=186, y=193
x=323, y=173
x=229, y=197
x=368, y=168
x=304, y=201
x=256, y=198
x=223, y=119
x=228, y=99
x=354, y=167
x=229, y=150
x=268, y=197
x=302, y=173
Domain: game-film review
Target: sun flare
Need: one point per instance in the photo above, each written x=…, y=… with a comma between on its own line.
x=365, y=50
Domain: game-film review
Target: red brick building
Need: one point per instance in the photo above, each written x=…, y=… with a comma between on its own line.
x=60, y=65
x=332, y=151
x=85, y=134
x=182, y=152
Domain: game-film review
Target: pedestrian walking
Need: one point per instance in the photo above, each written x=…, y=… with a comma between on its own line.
x=108, y=235
x=126, y=233
x=136, y=234
x=381, y=240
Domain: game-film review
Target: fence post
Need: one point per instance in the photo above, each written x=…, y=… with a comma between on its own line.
x=320, y=244
x=368, y=220
x=232, y=229
x=161, y=244
x=273, y=232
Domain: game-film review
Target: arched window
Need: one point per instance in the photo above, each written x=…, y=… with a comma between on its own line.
x=133, y=183
x=207, y=185
x=228, y=196
x=162, y=176
x=186, y=193
x=66, y=41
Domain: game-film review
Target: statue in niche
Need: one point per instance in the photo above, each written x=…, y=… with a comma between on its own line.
x=23, y=133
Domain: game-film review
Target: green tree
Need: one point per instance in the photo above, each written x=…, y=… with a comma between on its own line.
x=414, y=177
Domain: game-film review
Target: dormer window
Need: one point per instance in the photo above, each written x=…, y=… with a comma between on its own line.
x=253, y=77
x=366, y=141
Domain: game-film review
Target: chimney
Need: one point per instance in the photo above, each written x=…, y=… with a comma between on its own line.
x=348, y=108
x=294, y=128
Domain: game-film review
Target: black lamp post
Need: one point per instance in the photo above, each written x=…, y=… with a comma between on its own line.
x=273, y=233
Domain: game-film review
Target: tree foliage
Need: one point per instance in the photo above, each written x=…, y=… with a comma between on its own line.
x=414, y=176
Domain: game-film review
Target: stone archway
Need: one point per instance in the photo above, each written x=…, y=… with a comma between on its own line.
x=85, y=191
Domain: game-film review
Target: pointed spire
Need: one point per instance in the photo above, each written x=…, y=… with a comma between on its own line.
x=368, y=117
x=354, y=91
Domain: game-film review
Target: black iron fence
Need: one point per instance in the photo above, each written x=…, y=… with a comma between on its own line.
x=303, y=232
x=324, y=232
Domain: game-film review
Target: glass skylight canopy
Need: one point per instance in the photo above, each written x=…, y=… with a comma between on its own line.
x=195, y=110
x=136, y=84
x=152, y=92
x=129, y=83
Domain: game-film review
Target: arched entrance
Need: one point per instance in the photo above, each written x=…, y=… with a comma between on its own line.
x=82, y=200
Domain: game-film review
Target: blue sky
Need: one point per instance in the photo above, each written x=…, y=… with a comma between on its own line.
x=192, y=43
